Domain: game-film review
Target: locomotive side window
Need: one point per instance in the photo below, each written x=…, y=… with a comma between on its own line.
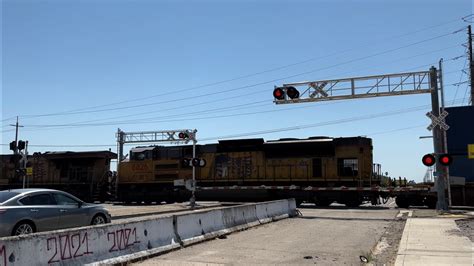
x=347, y=167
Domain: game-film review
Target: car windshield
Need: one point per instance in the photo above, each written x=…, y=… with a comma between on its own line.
x=6, y=195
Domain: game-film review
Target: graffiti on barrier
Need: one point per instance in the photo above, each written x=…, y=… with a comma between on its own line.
x=122, y=239
x=3, y=255
x=66, y=247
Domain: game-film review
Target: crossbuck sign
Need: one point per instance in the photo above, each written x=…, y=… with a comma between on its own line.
x=438, y=121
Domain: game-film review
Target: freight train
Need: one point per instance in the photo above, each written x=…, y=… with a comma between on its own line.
x=321, y=170
x=84, y=174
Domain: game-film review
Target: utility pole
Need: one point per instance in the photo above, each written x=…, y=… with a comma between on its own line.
x=15, y=148
x=471, y=62
x=438, y=142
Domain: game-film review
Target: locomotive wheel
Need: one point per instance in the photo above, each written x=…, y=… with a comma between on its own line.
x=353, y=203
x=322, y=202
x=402, y=202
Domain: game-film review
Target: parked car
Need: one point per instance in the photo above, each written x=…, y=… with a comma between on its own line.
x=26, y=211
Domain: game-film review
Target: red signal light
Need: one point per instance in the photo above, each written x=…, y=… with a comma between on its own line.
x=183, y=135
x=428, y=160
x=279, y=94
x=445, y=159
x=292, y=92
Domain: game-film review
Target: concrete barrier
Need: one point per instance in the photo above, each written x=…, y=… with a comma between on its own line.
x=273, y=209
x=122, y=242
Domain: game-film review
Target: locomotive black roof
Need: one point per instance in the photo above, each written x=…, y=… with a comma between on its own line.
x=313, y=146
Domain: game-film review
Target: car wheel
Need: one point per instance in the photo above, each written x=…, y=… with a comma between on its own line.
x=98, y=219
x=23, y=228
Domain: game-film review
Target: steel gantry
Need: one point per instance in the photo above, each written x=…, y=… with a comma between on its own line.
x=409, y=83
x=359, y=87
x=163, y=136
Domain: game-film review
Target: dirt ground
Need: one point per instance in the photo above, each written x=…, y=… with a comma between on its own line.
x=467, y=227
x=385, y=252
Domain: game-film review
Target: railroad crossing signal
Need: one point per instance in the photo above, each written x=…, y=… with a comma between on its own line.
x=428, y=160
x=183, y=135
x=196, y=162
x=443, y=159
x=13, y=145
x=280, y=93
x=438, y=121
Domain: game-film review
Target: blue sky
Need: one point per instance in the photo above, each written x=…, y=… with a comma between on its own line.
x=59, y=56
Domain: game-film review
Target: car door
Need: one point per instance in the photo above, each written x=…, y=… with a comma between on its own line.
x=43, y=210
x=71, y=212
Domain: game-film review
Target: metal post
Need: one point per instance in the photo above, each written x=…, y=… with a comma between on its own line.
x=24, y=174
x=471, y=62
x=120, y=142
x=192, y=201
x=445, y=139
x=25, y=161
x=437, y=141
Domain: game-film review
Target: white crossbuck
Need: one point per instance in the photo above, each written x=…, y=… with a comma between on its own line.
x=437, y=121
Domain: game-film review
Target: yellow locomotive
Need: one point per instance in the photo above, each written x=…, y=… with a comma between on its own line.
x=149, y=172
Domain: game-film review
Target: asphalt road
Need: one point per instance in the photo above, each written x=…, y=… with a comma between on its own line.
x=122, y=213
x=334, y=236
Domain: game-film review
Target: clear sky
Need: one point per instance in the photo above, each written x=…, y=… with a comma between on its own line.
x=144, y=65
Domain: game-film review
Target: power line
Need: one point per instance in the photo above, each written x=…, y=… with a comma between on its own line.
x=280, y=67
x=191, y=118
x=78, y=111
x=333, y=122
x=223, y=99
x=340, y=121
x=465, y=94
x=166, y=118
x=395, y=130
x=462, y=74
x=239, y=96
